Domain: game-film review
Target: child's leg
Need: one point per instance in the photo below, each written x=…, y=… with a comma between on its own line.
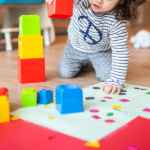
x=102, y=63
x=71, y=62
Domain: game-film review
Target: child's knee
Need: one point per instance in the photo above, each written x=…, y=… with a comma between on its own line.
x=64, y=73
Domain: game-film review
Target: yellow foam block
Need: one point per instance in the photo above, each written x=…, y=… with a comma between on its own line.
x=93, y=144
x=4, y=109
x=30, y=46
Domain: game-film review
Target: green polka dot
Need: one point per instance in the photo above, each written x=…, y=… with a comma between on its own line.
x=110, y=114
x=148, y=93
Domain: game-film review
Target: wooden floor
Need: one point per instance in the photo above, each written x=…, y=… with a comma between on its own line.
x=138, y=72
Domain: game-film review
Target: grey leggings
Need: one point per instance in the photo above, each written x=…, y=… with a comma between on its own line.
x=73, y=61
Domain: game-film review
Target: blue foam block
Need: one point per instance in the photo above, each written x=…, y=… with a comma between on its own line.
x=44, y=96
x=69, y=99
x=22, y=1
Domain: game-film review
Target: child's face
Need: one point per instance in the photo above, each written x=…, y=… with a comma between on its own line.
x=103, y=6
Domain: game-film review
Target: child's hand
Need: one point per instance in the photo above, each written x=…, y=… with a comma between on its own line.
x=49, y=1
x=110, y=89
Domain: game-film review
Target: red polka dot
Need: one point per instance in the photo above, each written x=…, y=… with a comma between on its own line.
x=109, y=120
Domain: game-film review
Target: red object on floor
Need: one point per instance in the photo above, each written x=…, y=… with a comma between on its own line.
x=3, y=91
x=110, y=121
x=60, y=9
x=136, y=134
x=23, y=135
x=31, y=70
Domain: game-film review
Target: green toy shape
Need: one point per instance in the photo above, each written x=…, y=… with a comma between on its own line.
x=29, y=97
x=29, y=25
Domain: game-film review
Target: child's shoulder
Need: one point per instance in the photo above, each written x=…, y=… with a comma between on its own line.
x=112, y=16
x=81, y=2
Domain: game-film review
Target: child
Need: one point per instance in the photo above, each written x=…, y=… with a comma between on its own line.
x=97, y=33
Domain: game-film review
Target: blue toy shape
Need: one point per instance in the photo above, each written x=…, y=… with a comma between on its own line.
x=69, y=99
x=45, y=96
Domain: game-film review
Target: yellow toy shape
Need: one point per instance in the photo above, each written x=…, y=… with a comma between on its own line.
x=117, y=107
x=30, y=46
x=50, y=117
x=15, y=118
x=53, y=102
x=93, y=144
x=4, y=109
x=46, y=107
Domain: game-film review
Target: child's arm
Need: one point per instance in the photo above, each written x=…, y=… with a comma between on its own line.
x=120, y=55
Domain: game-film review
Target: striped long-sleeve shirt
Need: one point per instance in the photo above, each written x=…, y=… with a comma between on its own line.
x=91, y=33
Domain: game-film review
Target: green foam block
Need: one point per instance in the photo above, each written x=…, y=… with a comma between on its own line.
x=29, y=25
x=29, y=97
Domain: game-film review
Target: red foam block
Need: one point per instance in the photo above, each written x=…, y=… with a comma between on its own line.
x=31, y=70
x=3, y=91
x=60, y=9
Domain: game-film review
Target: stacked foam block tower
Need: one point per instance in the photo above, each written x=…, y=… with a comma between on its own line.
x=4, y=106
x=31, y=63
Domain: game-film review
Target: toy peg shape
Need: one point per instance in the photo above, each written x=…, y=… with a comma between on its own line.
x=29, y=97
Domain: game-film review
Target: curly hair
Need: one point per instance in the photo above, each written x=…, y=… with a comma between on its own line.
x=126, y=10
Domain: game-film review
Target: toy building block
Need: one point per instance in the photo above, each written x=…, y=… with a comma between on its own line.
x=4, y=109
x=60, y=9
x=69, y=99
x=30, y=46
x=3, y=91
x=31, y=70
x=45, y=96
x=29, y=25
x=29, y=97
